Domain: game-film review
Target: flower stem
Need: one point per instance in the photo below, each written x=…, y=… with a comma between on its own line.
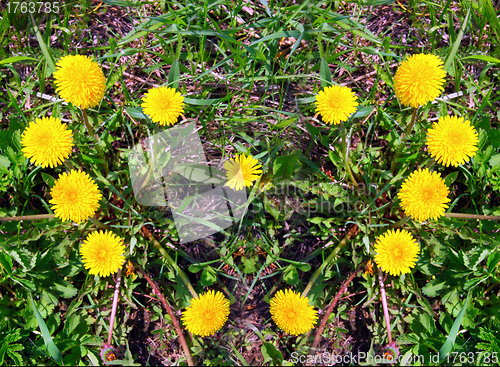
x=384, y=304
x=172, y=317
x=28, y=217
x=96, y=139
x=329, y=259
x=470, y=216
x=324, y=320
x=115, y=304
x=167, y=257
x=401, y=143
x=346, y=156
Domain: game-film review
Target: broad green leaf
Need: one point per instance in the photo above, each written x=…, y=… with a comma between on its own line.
x=290, y=275
x=194, y=268
x=270, y=353
x=493, y=261
x=6, y=262
x=200, y=173
x=209, y=276
x=287, y=165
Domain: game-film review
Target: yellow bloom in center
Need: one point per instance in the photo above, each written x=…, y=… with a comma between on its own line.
x=452, y=141
x=424, y=195
x=292, y=313
x=47, y=142
x=207, y=314
x=102, y=253
x=80, y=81
x=396, y=252
x=75, y=196
x=336, y=104
x=163, y=105
x=242, y=171
x=419, y=80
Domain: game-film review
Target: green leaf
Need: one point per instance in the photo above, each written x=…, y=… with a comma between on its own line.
x=433, y=288
x=493, y=261
x=54, y=352
x=270, y=353
x=249, y=265
x=209, y=276
x=456, y=45
x=291, y=275
x=449, y=179
x=200, y=173
x=65, y=289
x=173, y=75
x=325, y=74
x=11, y=60
x=483, y=58
x=194, y=268
x=286, y=165
x=450, y=340
x=6, y=262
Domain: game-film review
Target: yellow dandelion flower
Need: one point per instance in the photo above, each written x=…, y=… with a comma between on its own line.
x=102, y=253
x=452, y=141
x=419, y=79
x=292, y=313
x=75, y=196
x=47, y=142
x=369, y=268
x=79, y=80
x=207, y=314
x=396, y=252
x=163, y=105
x=242, y=171
x=336, y=103
x=424, y=195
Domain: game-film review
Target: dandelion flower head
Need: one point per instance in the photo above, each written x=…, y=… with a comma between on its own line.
x=75, y=196
x=242, y=171
x=292, y=313
x=424, y=195
x=79, y=80
x=207, y=314
x=452, y=141
x=336, y=103
x=102, y=253
x=419, y=79
x=47, y=142
x=163, y=105
x=396, y=252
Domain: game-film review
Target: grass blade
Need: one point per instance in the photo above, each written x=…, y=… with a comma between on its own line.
x=456, y=45
x=50, y=62
x=54, y=352
x=450, y=341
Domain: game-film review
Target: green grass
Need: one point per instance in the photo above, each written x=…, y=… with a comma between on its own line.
x=249, y=91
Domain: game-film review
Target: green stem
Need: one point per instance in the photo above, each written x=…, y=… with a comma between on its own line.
x=324, y=266
x=96, y=139
x=28, y=217
x=401, y=143
x=470, y=216
x=171, y=261
x=345, y=153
